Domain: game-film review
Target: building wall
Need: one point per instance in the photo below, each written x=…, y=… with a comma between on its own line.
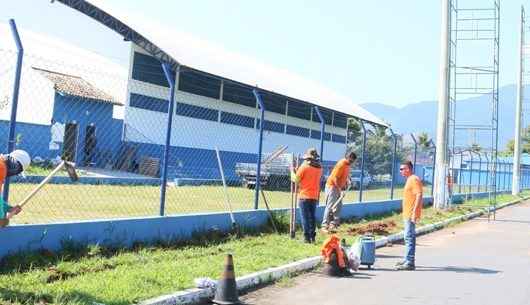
x=202, y=123
x=84, y=112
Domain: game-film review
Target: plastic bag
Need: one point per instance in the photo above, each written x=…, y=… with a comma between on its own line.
x=205, y=282
x=354, y=261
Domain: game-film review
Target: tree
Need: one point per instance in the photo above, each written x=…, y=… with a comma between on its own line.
x=525, y=143
x=354, y=132
x=424, y=141
x=379, y=149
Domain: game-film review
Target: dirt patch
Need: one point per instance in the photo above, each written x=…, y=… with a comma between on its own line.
x=377, y=228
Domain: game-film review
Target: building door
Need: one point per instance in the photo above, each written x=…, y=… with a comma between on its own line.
x=90, y=145
x=70, y=141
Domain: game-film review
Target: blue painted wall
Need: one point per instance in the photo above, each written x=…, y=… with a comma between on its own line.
x=124, y=232
x=85, y=112
x=34, y=138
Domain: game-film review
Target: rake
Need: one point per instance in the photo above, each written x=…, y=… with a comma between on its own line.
x=70, y=169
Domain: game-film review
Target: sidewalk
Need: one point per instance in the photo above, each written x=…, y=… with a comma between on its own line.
x=473, y=263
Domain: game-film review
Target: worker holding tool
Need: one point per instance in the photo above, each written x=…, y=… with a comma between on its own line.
x=307, y=176
x=412, y=206
x=11, y=165
x=337, y=182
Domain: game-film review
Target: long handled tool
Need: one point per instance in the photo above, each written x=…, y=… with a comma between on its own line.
x=341, y=197
x=275, y=154
x=70, y=169
x=235, y=228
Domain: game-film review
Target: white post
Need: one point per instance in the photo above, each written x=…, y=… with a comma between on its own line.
x=516, y=186
x=440, y=191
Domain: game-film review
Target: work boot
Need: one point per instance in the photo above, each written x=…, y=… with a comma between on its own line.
x=406, y=267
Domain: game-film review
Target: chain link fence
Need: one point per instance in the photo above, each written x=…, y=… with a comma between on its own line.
x=112, y=122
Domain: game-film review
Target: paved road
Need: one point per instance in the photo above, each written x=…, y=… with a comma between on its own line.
x=473, y=263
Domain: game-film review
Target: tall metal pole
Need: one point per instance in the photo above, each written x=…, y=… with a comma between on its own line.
x=479, y=170
x=322, y=131
x=260, y=146
x=171, y=79
x=362, y=163
x=516, y=187
x=460, y=181
x=14, y=104
x=393, y=169
x=440, y=191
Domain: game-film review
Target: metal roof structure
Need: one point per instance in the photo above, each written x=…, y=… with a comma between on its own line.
x=184, y=50
x=76, y=86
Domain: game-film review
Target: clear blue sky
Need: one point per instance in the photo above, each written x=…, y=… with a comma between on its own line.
x=372, y=51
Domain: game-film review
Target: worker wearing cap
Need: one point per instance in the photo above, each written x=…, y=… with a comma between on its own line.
x=308, y=179
x=11, y=165
x=336, y=183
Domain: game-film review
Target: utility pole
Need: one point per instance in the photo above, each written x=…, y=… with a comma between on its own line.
x=516, y=187
x=440, y=191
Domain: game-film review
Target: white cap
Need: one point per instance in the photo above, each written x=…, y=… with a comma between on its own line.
x=21, y=156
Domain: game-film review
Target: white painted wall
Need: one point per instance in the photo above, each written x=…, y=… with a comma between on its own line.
x=150, y=126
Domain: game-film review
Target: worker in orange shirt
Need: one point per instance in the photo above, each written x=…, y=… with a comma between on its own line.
x=308, y=179
x=11, y=165
x=336, y=183
x=412, y=206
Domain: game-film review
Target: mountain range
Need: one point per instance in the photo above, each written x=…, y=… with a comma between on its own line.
x=421, y=117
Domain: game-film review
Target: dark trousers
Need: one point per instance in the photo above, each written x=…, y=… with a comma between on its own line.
x=307, y=209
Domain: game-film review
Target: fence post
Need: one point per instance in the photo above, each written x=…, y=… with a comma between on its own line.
x=322, y=130
x=14, y=105
x=362, y=163
x=260, y=147
x=434, y=168
x=171, y=80
x=487, y=172
x=479, y=170
x=469, y=190
x=415, y=150
x=393, y=167
x=460, y=173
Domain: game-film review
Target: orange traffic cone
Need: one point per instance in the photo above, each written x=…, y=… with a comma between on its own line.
x=226, y=293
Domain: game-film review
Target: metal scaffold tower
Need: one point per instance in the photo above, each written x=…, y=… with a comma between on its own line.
x=473, y=72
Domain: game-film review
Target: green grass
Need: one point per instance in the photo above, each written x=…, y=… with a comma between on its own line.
x=67, y=202
x=118, y=276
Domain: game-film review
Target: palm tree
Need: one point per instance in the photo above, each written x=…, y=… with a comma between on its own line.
x=424, y=141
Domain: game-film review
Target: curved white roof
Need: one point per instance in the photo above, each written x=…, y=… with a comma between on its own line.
x=191, y=51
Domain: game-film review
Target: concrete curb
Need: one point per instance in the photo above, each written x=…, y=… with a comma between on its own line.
x=196, y=295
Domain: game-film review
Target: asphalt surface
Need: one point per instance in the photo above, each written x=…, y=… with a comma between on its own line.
x=477, y=262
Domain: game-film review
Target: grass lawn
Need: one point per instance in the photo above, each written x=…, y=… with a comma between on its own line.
x=87, y=275
x=66, y=202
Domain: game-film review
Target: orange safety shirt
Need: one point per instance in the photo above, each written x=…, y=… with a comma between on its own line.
x=339, y=175
x=309, y=181
x=413, y=186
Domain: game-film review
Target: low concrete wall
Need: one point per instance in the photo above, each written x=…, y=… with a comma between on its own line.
x=124, y=232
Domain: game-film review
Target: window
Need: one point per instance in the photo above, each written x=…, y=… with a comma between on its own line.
x=148, y=69
x=298, y=131
x=299, y=110
x=340, y=120
x=327, y=114
x=274, y=103
x=237, y=119
x=199, y=83
x=338, y=138
x=271, y=126
x=148, y=103
x=197, y=112
x=238, y=94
